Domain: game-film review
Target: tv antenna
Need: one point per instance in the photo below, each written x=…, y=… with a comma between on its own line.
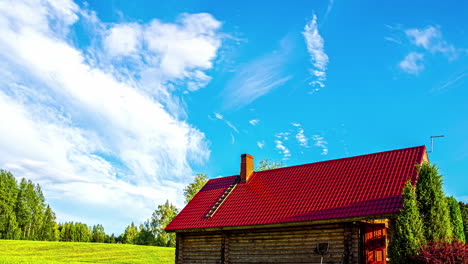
x=432, y=142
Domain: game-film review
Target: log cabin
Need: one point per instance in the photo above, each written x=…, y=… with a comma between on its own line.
x=335, y=211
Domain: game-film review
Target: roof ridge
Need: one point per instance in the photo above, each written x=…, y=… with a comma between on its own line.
x=352, y=157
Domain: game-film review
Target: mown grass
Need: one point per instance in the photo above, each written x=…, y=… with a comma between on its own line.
x=21, y=251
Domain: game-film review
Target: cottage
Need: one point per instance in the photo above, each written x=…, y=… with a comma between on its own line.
x=336, y=211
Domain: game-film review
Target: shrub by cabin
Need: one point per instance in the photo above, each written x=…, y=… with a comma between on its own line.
x=336, y=211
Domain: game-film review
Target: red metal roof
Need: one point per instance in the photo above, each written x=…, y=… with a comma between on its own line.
x=351, y=187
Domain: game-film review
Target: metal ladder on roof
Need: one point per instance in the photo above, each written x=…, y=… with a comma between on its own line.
x=223, y=197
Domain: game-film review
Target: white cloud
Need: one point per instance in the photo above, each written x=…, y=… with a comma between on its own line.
x=218, y=116
x=261, y=144
x=282, y=149
x=85, y=130
x=254, y=122
x=315, y=46
x=430, y=41
x=321, y=143
x=257, y=78
x=301, y=138
x=232, y=126
x=412, y=63
x=279, y=144
x=430, y=38
x=123, y=39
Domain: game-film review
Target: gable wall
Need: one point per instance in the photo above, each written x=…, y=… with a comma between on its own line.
x=274, y=245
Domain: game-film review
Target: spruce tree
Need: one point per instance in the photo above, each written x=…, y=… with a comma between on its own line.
x=456, y=219
x=408, y=233
x=464, y=214
x=8, y=192
x=432, y=204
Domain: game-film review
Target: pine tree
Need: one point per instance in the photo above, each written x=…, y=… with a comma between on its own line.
x=8, y=194
x=408, y=232
x=47, y=231
x=432, y=204
x=456, y=219
x=23, y=209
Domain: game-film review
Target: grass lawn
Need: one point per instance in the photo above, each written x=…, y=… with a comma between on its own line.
x=21, y=251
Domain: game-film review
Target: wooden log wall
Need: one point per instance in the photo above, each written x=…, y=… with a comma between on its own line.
x=275, y=245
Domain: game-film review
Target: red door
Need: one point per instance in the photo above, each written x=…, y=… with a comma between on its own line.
x=375, y=236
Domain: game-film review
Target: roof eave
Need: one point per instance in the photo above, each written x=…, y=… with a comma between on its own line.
x=287, y=224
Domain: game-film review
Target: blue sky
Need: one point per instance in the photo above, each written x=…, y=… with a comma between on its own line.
x=113, y=106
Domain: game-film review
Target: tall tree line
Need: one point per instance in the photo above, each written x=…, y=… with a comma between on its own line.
x=25, y=215
x=23, y=212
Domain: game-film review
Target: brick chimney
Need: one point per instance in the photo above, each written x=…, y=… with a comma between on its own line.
x=247, y=167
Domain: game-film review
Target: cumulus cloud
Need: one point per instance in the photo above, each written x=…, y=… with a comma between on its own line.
x=412, y=63
x=88, y=132
x=428, y=41
x=315, y=47
x=430, y=38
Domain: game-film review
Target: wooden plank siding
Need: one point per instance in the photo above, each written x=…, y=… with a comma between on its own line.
x=272, y=245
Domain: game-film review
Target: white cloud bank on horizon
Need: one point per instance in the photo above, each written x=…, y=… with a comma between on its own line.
x=97, y=136
x=315, y=47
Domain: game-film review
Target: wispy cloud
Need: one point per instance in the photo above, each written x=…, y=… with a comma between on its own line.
x=412, y=63
x=279, y=144
x=315, y=46
x=254, y=122
x=232, y=126
x=321, y=143
x=82, y=126
x=301, y=138
x=282, y=149
x=218, y=116
x=261, y=144
x=257, y=78
x=450, y=83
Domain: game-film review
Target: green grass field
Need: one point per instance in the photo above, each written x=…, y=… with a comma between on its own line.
x=20, y=251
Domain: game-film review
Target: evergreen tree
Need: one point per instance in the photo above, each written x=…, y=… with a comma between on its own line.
x=47, y=232
x=193, y=188
x=161, y=217
x=130, y=234
x=464, y=214
x=408, y=232
x=432, y=204
x=145, y=235
x=456, y=219
x=24, y=208
x=8, y=194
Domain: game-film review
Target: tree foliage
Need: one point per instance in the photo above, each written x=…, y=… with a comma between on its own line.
x=193, y=188
x=161, y=217
x=464, y=214
x=432, y=204
x=408, y=233
x=266, y=164
x=456, y=219
x=130, y=234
